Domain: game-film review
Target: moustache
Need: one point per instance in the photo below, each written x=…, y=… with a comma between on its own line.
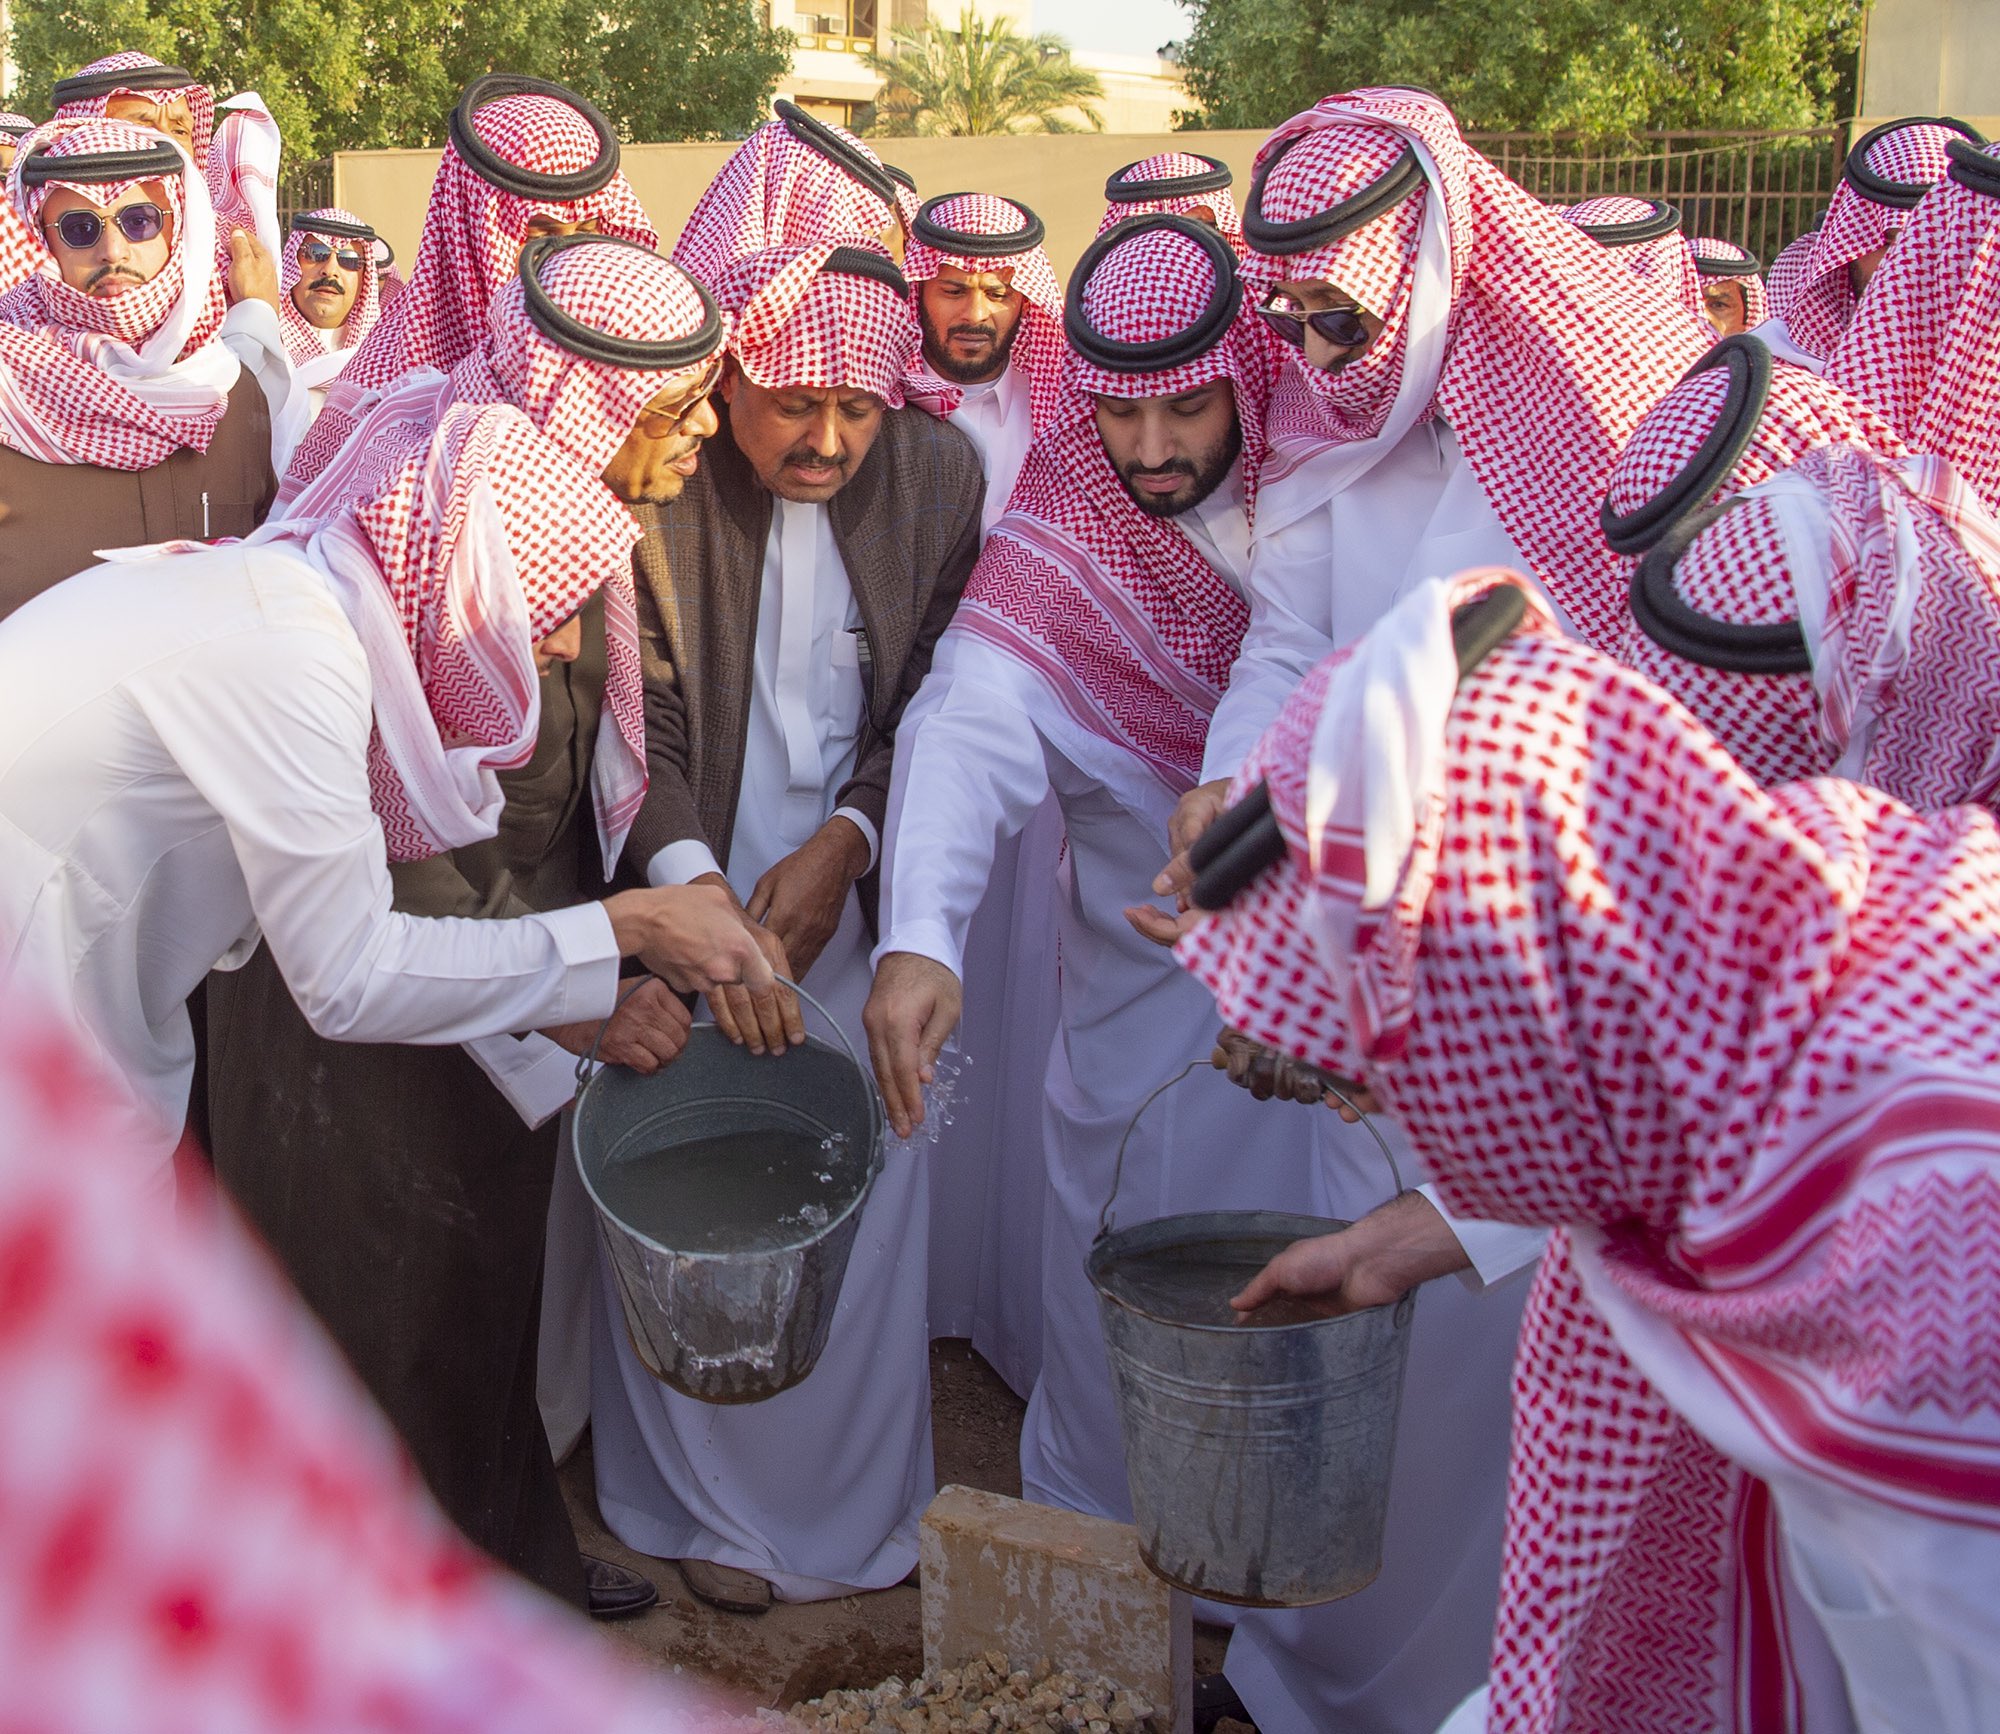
x=332, y=283
x=990, y=332
x=105, y=271
x=1174, y=467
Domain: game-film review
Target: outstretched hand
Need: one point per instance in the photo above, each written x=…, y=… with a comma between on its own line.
x=253, y=273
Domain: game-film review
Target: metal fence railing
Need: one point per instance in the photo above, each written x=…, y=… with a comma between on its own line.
x=1758, y=189
x=304, y=187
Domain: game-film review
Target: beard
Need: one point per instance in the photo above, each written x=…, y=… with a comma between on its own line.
x=941, y=362
x=1206, y=473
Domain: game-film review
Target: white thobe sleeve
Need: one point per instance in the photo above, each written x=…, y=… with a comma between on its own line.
x=1497, y=1249
x=1291, y=631
x=970, y=771
x=274, y=734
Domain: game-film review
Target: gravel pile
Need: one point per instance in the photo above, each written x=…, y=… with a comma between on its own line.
x=982, y=1697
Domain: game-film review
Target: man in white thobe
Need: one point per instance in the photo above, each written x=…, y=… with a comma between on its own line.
x=202, y=747
x=789, y=601
x=1090, y=651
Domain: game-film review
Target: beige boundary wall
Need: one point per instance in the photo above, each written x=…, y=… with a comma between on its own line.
x=1932, y=57
x=1061, y=177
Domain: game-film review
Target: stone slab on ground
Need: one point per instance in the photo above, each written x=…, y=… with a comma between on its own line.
x=1039, y=1584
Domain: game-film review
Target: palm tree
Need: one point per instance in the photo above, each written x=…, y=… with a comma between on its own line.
x=979, y=78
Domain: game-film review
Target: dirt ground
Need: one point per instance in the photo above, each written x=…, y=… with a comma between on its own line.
x=798, y=1652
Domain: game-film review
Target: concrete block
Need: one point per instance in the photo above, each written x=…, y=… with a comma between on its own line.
x=1034, y=1582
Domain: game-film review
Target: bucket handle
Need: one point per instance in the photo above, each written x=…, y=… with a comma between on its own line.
x=1332, y=1088
x=587, y=1061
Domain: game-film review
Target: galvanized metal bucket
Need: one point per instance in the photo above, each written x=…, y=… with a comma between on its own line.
x=1258, y=1455
x=734, y=1325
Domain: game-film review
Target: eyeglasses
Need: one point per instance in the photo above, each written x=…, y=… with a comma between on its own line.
x=1340, y=326
x=81, y=230
x=318, y=252
x=658, y=425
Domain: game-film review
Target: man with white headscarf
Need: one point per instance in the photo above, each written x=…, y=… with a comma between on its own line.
x=199, y=746
x=136, y=404
x=1713, y=1036
x=338, y=1151
x=330, y=295
x=1887, y=172
x=790, y=597
x=1086, y=660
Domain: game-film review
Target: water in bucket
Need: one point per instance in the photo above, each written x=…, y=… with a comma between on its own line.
x=728, y=1188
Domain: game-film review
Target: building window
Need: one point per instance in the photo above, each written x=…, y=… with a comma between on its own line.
x=843, y=25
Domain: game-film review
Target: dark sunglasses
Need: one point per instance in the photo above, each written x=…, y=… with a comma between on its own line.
x=318, y=252
x=1340, y=326
x=657, y=426
x=82, y=229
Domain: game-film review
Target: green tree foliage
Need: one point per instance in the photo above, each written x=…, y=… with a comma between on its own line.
x=1602, y=67
x=357, y=74
x=979, y=77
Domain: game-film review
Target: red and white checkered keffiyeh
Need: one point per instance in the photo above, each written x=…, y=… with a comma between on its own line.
x=1605, y=981
x=244, y=162
x=472, y=238
x=21, y=254
x=1667, y=261
x=779, y=190
x=1924, y=347
x=305, y=343
x=1114, y=614
x=1788, y=273
x=1220, y=203
x=1855, y=226
x=126, y=382
x=488, y=524
x=1721, y=261
x=1801, y=412
x=200, y=99
x=800, y=324
x=1039, y=347
x=204, y=1522
x=1533, y=342
x=1893, y=571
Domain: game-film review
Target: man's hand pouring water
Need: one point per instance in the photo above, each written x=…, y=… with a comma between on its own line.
x=912, y=1010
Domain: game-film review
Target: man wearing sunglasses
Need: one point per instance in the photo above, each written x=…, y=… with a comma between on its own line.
x=331, y=295
x=141, y=405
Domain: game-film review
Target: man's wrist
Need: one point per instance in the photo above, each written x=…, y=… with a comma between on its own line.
x=857, y=852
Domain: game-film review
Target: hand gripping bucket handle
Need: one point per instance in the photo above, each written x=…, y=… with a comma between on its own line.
x=585, y=1063
x=1333, y=1089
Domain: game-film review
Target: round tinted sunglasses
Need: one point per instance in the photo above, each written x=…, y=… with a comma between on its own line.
x=82, y=229
x=318, y=252
x=1340, y=326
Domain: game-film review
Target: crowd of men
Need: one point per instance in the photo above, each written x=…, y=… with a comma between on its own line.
x=407, y=687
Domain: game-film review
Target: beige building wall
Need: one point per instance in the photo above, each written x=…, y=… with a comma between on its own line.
x=1061, y=178
x=1932, y=57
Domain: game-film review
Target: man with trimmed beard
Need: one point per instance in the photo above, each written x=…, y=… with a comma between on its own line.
x=1086, y=660
x=789, y=600
x=136, y=404
x=332, y=295
x=991, y=311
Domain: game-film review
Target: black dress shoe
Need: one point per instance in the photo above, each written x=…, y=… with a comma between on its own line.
x=616, y=1591
x=1215, y=1700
